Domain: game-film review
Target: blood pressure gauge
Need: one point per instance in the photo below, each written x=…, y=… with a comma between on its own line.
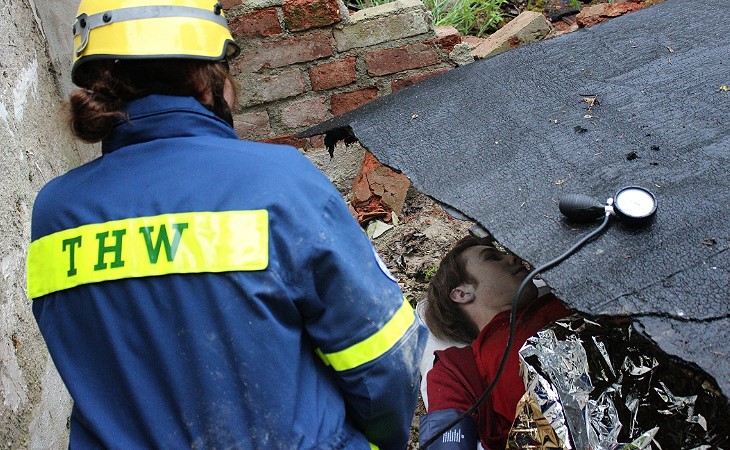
x=634, y=204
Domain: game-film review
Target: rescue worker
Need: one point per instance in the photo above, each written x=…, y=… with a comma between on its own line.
x=199, y=291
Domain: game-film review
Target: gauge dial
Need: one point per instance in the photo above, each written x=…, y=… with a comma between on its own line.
x=635, y=203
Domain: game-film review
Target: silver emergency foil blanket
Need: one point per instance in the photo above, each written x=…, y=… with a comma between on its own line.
x=642, y=99
x=596, y=383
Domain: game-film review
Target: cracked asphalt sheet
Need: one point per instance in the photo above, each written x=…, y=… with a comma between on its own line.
x=638, y=100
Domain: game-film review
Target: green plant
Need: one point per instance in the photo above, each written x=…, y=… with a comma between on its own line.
x=430, y=273
x=470, y=17
x=362, y=4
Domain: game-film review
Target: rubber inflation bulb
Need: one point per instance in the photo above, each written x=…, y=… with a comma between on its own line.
x=581, y=207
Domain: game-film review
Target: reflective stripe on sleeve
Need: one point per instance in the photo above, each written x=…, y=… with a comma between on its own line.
x=191, y=242
x=374, y=346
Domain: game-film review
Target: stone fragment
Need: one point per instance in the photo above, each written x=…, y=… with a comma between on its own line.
x=447, y=37
x=591, y=15
x=378, y=191
x=528, y=27
x=461, y=55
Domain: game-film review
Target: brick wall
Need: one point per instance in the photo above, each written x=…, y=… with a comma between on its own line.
x=305, y=61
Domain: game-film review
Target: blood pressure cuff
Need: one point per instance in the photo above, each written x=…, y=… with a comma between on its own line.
x=462, y=436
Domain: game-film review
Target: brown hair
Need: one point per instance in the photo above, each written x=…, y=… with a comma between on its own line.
x=442, y=315
x=108, y=86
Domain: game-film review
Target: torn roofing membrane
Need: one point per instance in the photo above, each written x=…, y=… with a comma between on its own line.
x=640, y=100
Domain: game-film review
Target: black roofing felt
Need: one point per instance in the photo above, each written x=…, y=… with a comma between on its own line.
x=503, y=139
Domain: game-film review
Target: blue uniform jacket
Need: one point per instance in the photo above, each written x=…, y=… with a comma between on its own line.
x=195, y=290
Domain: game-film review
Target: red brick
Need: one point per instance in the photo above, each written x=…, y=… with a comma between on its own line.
x=317, y=141
x=288, y=139
x=253, y=125
x=603, y=11
x=260, y=23
x=378, y=190
x=392, y=60
x=472, y=40
x=341, y=103
x=332, y=75
x=446, y=38
x=400, y=83
x=284, y=52
x=302, y=15
x=307, y=112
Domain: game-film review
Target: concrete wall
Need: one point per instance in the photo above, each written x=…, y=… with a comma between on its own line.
x=35, y=148
x=57, y=18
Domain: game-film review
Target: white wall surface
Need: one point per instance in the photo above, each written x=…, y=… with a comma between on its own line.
x=34, y=148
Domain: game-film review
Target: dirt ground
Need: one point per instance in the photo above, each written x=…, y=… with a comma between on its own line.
x=412, y=251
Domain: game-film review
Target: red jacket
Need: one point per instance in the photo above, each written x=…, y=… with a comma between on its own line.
x=460, y=375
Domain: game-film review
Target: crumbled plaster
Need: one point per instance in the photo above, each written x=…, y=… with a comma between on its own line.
x=26, y=85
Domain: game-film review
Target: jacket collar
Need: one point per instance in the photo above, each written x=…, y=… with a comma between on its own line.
x=160, y=117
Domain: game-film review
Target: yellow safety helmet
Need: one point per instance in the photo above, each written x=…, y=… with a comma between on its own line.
x=140, y=29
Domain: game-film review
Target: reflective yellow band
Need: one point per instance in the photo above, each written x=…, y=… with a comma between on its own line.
x=148, y=246
x=373, y=446
x=374, y=346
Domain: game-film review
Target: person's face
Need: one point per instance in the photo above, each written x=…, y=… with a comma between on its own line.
x=497, y=276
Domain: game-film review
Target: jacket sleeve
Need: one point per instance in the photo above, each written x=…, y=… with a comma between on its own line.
x=462, y=436
x=454, y=384
x=365, y=330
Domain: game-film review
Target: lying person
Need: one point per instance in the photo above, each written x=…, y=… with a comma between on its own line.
x=469, y=301
x=596, y=375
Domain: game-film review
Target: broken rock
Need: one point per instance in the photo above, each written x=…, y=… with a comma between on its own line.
x=529, y=26
x=378, y=191
x=592, y=15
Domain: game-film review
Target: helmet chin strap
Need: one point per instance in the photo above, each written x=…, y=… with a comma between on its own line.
x=220, y=108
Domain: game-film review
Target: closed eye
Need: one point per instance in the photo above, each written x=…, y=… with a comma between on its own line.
x=490, y=254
